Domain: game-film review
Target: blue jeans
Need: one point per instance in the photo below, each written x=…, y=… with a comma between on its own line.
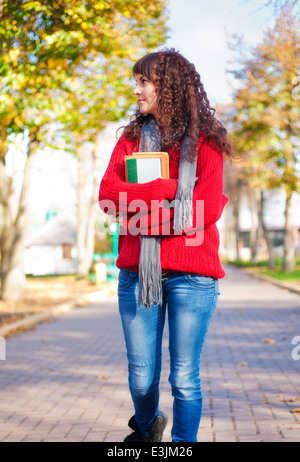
x=191, y=300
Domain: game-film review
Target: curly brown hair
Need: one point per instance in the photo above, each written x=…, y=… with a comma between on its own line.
x=183, y=105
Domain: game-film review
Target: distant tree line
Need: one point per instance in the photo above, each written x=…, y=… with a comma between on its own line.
x=264, y=121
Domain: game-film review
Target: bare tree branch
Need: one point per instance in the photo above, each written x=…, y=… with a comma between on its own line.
x=276, y=5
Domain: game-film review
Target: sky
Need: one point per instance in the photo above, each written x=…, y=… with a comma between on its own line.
x=201, y=30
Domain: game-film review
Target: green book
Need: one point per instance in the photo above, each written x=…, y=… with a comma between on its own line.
x=143, y=170
x=131, y=171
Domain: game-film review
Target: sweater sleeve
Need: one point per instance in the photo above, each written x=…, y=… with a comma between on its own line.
x=115, y=189
x=208, y=198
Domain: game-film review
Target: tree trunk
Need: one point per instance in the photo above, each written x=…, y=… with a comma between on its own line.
x=81, y=215
x=267, y=237
x=93, y=208
x=6, y=218
x=256, y=229
x=87, y=211
x=289, y=244
x=236, y=217
x=260, y=225
x=13, y=277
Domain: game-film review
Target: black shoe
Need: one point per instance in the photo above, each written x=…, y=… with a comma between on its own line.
x=156, y=430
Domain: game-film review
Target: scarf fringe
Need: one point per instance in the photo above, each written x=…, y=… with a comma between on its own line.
x=150, y=284
x=183, y=213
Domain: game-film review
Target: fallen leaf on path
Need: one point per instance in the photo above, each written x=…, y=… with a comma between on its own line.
x=289, y=400
x=103, y=377
x=243, y=364
x=270, y=341
x=296, y=410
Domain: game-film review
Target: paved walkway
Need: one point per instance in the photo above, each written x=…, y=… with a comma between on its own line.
x=67, y=380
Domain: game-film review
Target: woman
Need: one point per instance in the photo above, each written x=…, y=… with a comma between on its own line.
x=168, y=264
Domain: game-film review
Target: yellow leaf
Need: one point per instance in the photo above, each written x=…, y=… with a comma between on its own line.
x=14, y=53
x=18, y=121
x=270, y=341
x=297, y=409
x=49, y=39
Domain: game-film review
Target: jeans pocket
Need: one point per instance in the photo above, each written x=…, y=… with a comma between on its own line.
x=125, y=278
x=203, y=282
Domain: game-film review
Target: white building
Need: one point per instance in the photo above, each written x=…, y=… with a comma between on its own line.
x=53, y=249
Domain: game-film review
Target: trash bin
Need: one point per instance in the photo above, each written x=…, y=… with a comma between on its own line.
x=100, y=269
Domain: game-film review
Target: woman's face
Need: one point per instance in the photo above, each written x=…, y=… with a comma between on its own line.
x=145, y=91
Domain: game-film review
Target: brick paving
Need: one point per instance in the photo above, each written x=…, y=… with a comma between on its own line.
x=67, y=379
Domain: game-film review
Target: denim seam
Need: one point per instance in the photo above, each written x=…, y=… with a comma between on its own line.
x=193, y=283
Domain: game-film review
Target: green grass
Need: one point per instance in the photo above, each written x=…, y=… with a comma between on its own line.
x=291, y=276
x=277, y=272
x=48, y=276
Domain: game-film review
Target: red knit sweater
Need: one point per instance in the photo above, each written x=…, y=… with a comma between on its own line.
x=176, y=255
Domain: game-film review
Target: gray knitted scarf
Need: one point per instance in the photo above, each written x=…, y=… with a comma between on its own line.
x=150, y=281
